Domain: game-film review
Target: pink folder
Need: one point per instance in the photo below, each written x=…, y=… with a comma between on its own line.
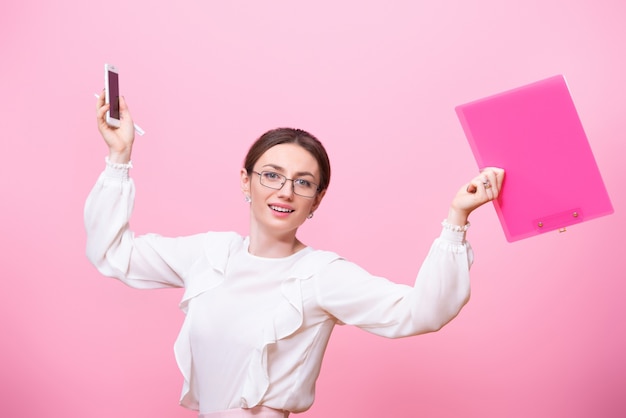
x=552, y=180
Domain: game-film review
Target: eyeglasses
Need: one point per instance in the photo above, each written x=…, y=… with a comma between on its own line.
x=274, y=180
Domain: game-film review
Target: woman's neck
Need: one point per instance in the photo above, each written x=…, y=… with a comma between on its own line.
x=273, y=246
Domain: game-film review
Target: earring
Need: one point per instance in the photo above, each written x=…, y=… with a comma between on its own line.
x=247, y=199
x=310, y=215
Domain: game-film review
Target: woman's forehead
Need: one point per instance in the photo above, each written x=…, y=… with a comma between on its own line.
x=289, y=157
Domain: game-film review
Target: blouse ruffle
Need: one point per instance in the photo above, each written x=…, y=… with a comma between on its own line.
x=208, y=274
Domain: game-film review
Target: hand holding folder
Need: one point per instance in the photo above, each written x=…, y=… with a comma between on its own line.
x=535, y=134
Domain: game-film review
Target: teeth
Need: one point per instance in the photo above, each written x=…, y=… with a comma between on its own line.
x=279, y=209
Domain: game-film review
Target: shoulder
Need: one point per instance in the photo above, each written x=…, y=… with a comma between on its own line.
x=313, y=263
x=218, y=246
x=215, y=238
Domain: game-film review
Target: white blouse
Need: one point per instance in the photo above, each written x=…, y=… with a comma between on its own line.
x=256, y=328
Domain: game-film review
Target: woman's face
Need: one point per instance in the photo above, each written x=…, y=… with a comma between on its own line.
x=282, y=211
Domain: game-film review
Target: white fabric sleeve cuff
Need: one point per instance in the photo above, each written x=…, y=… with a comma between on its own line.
x=453, y=233
x=117, y=170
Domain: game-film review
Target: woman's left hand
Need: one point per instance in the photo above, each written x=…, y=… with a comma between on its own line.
x=481, y=189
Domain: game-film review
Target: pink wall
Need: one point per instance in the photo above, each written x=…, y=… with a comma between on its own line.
x=544, y=334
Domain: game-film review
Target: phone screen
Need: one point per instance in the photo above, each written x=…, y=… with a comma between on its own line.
x=114, y=95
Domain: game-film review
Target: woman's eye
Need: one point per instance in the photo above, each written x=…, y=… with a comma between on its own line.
x=303, y=183
x=270, y=175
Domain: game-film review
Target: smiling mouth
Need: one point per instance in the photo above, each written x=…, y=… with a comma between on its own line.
x=281, y=209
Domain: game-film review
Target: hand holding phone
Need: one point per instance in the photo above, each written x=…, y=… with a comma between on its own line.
x=112, y=95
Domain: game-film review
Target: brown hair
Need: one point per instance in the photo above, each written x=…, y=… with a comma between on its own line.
x=290, y=136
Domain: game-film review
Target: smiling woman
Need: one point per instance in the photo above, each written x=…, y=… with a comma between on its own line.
x=260, y=309
x=280, y=156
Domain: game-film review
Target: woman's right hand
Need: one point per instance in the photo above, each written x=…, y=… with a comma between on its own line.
x=119, y=140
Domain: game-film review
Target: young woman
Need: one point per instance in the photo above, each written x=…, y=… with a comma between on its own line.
x=260, y=309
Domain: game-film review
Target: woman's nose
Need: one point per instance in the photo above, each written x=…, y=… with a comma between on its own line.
x=287, y=189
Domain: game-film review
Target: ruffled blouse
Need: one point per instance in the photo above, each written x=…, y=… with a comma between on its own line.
x=255, y=329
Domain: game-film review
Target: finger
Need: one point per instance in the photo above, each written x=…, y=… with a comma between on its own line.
x=484, y=183
x=102, y=110
x=499, y=177
x=101, y=115
x=482, y=187
x=478, y=183
x=101, y=107
x=488, y=179
x=494, y=177
x=495, y=189
x=490, y=193
x=487, y=186
x=100, y=99
x=471, y=188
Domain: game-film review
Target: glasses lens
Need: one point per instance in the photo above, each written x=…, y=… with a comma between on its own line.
x=304, y=188
x=301, y=187
x=271, y=179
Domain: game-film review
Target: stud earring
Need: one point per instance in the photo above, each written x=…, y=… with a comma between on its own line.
x=310, y=215
x=247, y=199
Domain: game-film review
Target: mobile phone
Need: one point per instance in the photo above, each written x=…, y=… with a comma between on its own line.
x=112, y=94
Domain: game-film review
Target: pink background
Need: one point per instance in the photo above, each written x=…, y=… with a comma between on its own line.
x=544, y=333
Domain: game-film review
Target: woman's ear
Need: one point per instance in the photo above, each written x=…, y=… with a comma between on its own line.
x=245, y=182
x=317, y=200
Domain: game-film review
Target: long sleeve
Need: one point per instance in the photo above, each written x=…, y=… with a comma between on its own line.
x=149, y=261
x=441, y=289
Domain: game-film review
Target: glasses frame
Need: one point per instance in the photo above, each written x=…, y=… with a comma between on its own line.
x=284, y=181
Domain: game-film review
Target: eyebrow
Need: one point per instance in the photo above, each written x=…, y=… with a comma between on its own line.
x=298, y=174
